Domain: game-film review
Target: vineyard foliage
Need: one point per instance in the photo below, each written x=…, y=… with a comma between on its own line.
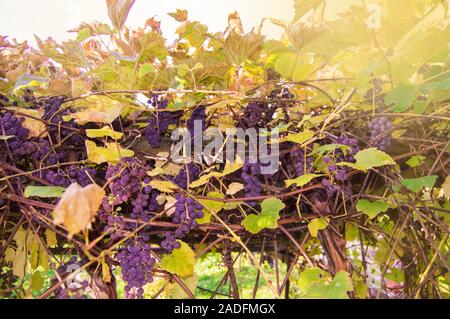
x=92, y=204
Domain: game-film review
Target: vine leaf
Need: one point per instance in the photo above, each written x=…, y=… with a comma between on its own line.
x=118, y=11
x=336, y=289
x=163, y=186
x=301, y=180
x=368, y=159
x=179, y=15
x=234, y=187
x=112, y=153
x=299, y=138
x=180, y=262
x=78, y=207
x=371, y=209
x=317, y=224
x=102, y=132
x=50, y=237
x=96, y=109
x=401, y=97
x=43, y=191
x=213, y=206
x=415, y=161
x=268, y=218
x=416, y=184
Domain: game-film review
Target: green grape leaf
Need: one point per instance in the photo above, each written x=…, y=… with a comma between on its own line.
x=43, y=191
x=415, y=161
x=213, y=206
x=369, y=158
x=299, y=138
x=416, y=184
x=37, y=282
x=371, y=209
x=317, y=224
x=268, y=218
x=102, y=132
x=301, y=180
x=146, y=68
x=180, y=262
x=401, y=97
x=309, y=277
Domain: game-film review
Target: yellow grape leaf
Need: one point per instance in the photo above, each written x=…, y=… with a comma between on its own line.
x=20, y=261
x=112, y=153
x=79, y=87
x=163, y=186
x=234, y=187
x=229, y=168
x=180, y=262
x=317, y=224
x=97, y=109
x=50, y=237
x=78, y=207
x=102, y=132
x=299, y=138
x=301, y=180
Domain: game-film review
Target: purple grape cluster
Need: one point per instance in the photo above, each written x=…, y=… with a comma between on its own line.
x=11, y=125
x=187, y=174
x=380, y=132
x=197, y=116
x=252, y=184
x=253, y=114
x=130, y=185
x=137, y=266
x=82, y=175
x=159, y=124
x=127, y=177
x=115, y=226
x=187, y=210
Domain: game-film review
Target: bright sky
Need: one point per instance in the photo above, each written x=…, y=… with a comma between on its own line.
x=23, y=18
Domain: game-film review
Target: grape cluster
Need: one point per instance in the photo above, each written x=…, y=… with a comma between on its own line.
x=11, y=125
x=137, y=266
x=253, y=113
x=340, y=172
x=187, y=174
x=187, y=210
x=129, y=184
x=252, y=184
x=115, y=226
x=197, y=116
x=380, y=132
x=159, y=124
